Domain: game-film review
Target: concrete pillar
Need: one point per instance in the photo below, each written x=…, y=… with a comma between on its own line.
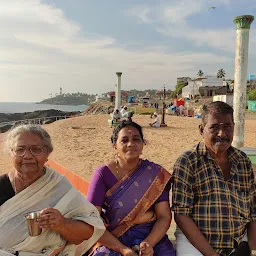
x=118, y=91
x=241, y=65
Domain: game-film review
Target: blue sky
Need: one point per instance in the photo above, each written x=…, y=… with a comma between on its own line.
x=80, y=44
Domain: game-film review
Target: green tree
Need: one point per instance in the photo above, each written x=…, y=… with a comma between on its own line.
x=221, y=73
x=252, y=95
x=200, y=73
x=178, y=89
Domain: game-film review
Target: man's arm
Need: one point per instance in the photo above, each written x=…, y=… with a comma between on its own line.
x=194, y=235
x=252, y=235
x=251, y=228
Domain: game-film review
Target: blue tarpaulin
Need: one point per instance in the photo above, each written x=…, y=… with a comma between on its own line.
x=130, y=100
x=251, y=77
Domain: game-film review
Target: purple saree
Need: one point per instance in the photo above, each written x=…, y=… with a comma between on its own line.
x=128, y=200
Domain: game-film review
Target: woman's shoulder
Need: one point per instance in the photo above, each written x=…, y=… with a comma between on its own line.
x=103, y=170
x=6, y=189
x=149, y=164
x=4, y=176
x=4, y=179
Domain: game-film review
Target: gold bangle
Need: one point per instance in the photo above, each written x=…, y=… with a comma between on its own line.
x=253, y=252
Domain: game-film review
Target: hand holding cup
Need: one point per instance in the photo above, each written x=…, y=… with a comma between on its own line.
x=52, y=219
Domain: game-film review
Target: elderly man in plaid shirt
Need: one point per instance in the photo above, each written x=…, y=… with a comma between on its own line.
x=214, y=197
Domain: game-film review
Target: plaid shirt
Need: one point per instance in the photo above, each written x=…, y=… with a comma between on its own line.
x=221, y=209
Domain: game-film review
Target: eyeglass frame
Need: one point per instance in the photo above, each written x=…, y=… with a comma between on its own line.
x=29, y=148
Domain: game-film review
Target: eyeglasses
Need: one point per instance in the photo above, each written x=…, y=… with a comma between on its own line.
x=34, y=150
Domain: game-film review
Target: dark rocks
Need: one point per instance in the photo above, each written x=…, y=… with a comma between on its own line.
x=7, y=121
x=5, y=128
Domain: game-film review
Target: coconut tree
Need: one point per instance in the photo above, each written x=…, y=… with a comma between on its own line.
x=221, y=73
x=200, y=73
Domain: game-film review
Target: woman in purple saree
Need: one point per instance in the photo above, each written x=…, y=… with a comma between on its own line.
x=133, y=194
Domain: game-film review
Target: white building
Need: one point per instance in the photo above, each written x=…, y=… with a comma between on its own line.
x=228, y=98
x=206, y=86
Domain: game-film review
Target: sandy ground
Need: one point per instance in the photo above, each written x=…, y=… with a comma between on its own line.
x=83, y=143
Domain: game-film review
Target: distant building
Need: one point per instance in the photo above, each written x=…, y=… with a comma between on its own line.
x=112, y=96
x=204, y=86
x=228, y=98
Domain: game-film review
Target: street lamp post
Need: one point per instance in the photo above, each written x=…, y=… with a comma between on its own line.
x=163, y=124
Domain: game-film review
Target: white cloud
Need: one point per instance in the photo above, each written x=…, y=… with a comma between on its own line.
x=41, y=50
x=142, y=13
x=172, y=20
x=181, y=10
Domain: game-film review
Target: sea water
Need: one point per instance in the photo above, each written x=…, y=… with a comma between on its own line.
x=21, y=107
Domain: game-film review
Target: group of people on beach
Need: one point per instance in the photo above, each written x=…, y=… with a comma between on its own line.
x=127, y=210
x=121, y=115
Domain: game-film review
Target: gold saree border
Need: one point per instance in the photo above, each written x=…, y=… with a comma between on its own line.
x=153, y=192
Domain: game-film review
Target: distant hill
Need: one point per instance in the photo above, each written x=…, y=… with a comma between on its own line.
x=70, y=99
x=85, y=99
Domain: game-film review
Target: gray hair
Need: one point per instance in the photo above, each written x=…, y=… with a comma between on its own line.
x=30, y=128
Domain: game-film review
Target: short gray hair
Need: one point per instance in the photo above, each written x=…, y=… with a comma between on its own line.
x=31, y=128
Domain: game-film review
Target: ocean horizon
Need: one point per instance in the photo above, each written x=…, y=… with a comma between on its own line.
x=22, y=107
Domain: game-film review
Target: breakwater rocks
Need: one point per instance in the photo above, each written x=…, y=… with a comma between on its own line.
x=7, y=121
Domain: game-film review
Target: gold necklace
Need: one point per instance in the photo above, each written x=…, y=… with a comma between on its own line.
x=117, y=167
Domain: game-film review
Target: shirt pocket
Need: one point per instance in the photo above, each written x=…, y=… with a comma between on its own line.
x=241, y=203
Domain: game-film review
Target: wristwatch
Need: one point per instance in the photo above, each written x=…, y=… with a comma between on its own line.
x=253, y=252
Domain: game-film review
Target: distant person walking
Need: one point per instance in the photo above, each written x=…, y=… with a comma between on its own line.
x=181, y=108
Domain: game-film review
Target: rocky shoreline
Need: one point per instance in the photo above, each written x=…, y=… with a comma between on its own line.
x=7, y=121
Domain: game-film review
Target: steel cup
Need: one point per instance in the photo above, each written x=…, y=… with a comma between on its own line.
x=33, y=228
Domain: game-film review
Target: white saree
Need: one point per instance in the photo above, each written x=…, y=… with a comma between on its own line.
x=51, y=190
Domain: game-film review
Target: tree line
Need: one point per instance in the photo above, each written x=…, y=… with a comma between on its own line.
x=220, y=74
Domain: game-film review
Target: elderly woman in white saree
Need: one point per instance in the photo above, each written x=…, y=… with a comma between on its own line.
x=66, y=217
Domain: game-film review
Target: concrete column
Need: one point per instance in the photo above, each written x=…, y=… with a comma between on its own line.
x=118, y=91
x=241, y=65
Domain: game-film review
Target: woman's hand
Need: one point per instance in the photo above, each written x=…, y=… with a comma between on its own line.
x=52, y=219
x=146, y=249
x=128, y=252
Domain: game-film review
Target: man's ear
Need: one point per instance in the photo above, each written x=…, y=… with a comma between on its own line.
x=201, y=129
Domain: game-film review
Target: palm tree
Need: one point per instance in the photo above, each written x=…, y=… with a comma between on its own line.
x=200, y=73
x=221, y=73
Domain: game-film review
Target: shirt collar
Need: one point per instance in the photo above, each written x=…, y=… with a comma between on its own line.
x=233, y=153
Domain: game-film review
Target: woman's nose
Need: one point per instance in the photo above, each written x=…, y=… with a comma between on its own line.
x=28, y=154
x=130, y=143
